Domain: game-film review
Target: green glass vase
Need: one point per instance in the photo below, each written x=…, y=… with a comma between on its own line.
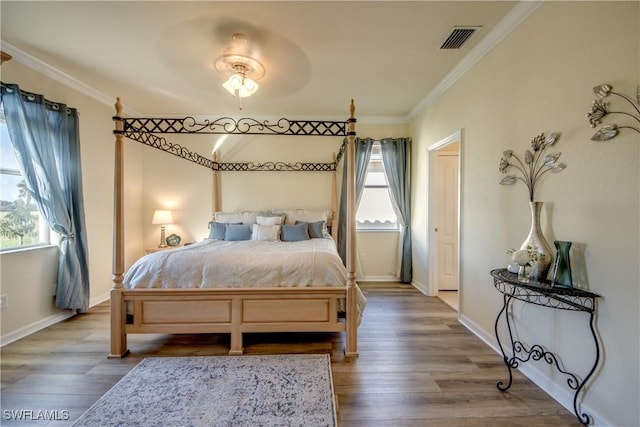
x=562, y=266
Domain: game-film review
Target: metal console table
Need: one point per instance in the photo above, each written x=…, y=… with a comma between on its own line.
x=542, y=293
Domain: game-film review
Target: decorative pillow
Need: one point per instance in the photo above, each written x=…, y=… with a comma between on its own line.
x=295, y=233
x=235, y=232
x=269, y=233
x=270, y=220
x=316, y=229
x=304, y=215
x=216, y=230
x=246, y=217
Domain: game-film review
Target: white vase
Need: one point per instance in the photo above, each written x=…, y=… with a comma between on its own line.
x=540, y=268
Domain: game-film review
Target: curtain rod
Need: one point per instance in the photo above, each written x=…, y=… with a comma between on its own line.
x=380, y=140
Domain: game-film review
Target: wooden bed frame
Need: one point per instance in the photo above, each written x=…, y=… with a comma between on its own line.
x=234, y=311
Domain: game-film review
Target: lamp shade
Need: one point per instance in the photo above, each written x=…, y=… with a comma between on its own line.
x=162, y=217
x=241, y=86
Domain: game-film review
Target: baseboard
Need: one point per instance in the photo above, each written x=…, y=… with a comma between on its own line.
x=46, y=322
x=377, y=279
x=558, y=391
x=99, y=299
x=489, y=339
x=421, y=287
x=35, y=327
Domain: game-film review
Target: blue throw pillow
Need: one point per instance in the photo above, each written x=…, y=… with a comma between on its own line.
x=295, y=233
x=234, y=232
x=216, y=230
x=316, y=229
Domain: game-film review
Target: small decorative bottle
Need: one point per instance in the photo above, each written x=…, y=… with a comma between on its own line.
x=562, y=266
x=523, y=273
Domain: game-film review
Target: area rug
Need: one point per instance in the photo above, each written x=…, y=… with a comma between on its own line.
x=283, y=390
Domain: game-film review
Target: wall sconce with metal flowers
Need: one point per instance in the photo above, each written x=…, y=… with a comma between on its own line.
x=600, y=109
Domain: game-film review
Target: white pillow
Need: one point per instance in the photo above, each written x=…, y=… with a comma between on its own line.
x=246, y=217
x=269, y=233
x=269, y=220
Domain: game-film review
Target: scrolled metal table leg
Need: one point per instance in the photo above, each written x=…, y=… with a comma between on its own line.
x=583, y=417
x=506, y=301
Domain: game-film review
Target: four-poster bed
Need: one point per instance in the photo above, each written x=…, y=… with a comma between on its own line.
x=234, y=310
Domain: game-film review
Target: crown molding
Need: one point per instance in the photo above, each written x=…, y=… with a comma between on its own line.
x=38, y=65
x=510, y=22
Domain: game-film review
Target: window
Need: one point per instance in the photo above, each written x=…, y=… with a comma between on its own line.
x=21, y=224
x=375, y=211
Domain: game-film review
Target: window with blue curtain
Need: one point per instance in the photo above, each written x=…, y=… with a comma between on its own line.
x=21, y=225
x=46, y=142
x=375, y=209
x=396, y=159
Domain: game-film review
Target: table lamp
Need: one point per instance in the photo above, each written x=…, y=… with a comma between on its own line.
x=162, y=218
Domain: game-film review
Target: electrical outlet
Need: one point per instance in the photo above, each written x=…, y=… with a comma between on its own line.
x=4, y=301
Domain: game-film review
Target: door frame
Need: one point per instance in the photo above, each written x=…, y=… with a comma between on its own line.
x=432, y=262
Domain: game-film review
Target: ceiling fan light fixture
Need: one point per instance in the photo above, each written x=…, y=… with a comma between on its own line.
x=248, y=88
x=244, y=69
x=239, y=84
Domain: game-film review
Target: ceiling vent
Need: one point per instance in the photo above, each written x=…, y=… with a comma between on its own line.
x=458, y=37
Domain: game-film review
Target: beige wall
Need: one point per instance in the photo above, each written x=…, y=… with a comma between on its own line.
x=28, y=276
x=537, y=80
x=377, y=256
x=28, y=279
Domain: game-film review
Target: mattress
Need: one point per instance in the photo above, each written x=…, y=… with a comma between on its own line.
x=249, y=263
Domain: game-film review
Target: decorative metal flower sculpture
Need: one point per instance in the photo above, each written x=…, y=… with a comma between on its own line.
x=532, y=168
x=599, y=109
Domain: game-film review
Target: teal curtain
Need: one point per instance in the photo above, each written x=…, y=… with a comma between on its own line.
x=45, y=136
x=396, y=159
x=363, y=155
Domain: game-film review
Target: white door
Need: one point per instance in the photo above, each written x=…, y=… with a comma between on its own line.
x=447, y=220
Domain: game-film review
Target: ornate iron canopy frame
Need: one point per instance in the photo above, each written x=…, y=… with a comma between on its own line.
x=145, y=130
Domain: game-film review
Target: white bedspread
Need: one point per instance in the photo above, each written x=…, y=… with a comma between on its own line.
x=250, y=263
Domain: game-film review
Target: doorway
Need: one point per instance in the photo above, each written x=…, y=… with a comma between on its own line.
x=444, y=219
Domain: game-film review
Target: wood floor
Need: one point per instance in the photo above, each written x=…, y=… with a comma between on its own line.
x=417, y=367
